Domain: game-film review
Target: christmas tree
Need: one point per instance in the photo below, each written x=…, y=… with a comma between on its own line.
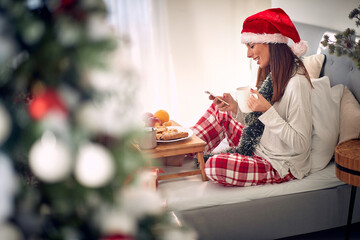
x=345, y=43
x=67, y=128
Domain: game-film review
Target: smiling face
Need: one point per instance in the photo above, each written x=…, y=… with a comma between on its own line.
x=259, y=52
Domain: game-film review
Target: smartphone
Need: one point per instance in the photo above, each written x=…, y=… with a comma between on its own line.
x=207, y=92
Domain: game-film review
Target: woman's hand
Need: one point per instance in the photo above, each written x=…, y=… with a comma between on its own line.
x=233, y=105
x=259, y=103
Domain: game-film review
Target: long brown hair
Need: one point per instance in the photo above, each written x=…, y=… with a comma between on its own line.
x=284, y=64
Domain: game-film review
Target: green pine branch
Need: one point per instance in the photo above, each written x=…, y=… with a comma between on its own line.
x=345, y=43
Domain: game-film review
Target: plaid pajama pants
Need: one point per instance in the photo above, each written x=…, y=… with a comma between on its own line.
x=232, y=169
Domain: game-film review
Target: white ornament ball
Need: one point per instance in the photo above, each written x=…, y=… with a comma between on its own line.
x=9, y=231
x=49, y=159
x=94, y=166
x=115, y=221
x=89, y=118
x=5, y=124
x=140, y=202
x=98, y=28
x=8, y=188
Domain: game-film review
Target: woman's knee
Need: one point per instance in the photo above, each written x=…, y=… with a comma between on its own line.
x=215, y=169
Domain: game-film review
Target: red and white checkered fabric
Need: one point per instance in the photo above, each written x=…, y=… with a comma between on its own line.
x=232, y=169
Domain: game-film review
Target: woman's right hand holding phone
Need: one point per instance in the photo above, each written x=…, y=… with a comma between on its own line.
x=231, y=105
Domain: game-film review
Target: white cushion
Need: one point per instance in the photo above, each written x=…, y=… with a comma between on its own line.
x=314, y=64
x=349, y=117
x=325, y=116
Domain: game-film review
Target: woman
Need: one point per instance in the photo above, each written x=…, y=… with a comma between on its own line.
x=272, y=143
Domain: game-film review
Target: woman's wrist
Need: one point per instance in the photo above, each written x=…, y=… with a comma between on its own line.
x=235, y=108
x=267, y=108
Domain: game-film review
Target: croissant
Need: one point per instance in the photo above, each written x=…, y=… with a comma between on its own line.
x=161, y=129
x=173, y=135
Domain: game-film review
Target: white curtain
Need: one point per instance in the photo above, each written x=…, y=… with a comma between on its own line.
x=144, y=23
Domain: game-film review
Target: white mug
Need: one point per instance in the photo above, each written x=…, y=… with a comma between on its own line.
x=148, y=139
x=242, y=96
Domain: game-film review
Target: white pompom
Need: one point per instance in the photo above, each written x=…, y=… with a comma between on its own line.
x=300, y=48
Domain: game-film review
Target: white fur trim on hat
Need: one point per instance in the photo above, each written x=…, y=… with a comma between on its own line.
x=248, y=37
x=300, y=48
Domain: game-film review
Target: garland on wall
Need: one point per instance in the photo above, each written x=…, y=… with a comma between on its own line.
x=66, y=132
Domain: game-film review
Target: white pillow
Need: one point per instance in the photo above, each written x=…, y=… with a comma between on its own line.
x=325, y=116
x=349, y=117
x=314, y=64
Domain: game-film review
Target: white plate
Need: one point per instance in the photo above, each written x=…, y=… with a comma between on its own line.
x=180, y=129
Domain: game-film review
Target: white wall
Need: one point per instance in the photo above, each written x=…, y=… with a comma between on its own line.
x=206, y=50
x=331, y=14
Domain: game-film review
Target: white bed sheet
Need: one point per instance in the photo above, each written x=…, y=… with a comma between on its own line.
x=192, y=193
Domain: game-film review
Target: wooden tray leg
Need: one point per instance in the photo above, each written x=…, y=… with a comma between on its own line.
x=200, y=157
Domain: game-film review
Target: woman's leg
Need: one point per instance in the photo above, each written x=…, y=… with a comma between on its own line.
x=215, y=125
x=233, y=169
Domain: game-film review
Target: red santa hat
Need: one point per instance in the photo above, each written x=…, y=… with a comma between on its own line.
x=272, y=26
